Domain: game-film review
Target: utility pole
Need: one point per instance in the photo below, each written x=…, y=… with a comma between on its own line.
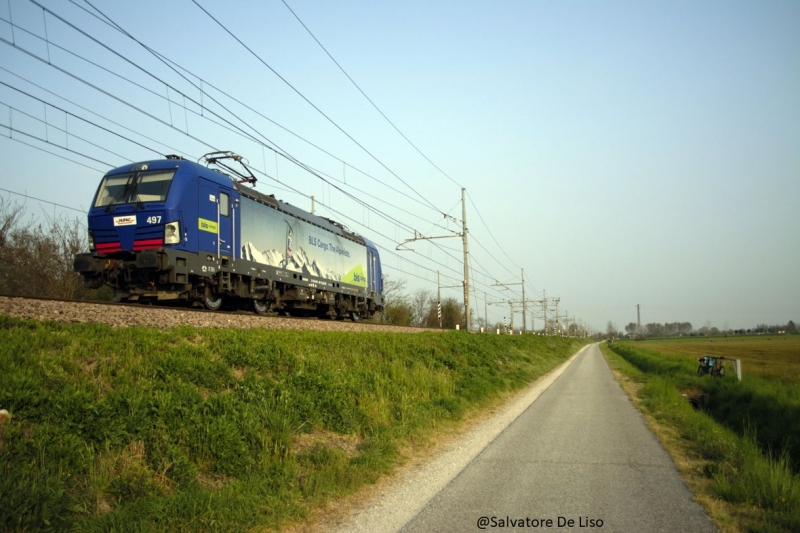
x=557, y=326
x=524, y=303
x=485, y=313
x=544, y=307
x=638, y=322
x=419, y=237
x=466, y=255
x=313, y=204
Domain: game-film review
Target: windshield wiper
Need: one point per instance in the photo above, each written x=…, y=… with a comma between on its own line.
x=121, y=196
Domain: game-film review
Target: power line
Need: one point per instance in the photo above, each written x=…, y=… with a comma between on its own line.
x=172, y=64
x=367, y=97
x=53, y=153
x=172, y=149
x=77, y=117
x=12, y=130
x=282, y=152
x=299, y=163
x=26, y=195
x=314, y=106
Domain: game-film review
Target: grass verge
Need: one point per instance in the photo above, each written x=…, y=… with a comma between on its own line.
x=135, y=429
x=743, y=486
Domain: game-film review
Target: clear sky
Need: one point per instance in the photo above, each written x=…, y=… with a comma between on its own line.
x=622, y=152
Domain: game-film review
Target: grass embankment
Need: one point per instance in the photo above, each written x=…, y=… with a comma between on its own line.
x=138, y=429
x=743, y=445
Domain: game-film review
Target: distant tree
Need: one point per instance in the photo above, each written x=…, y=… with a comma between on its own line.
x=400, y=313
x=611, y=330
x=791, y=328
x=36, y=257
x=432, y=315
x=397, y=308
x=451, y=313
x=653, y=330
x=630, y=329
x=422, y=300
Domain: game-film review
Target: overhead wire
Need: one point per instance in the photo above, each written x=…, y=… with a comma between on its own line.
x=52, y=153
x=103, y=91
x=26, y=195
x=261, y=60
x=365, y=95
x=281, y=152
x=57, y=108
x=205, y=83
x=172, y=149
x=284, y=153
x=288, y=156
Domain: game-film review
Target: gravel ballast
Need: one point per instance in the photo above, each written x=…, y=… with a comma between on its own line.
x=165, y=317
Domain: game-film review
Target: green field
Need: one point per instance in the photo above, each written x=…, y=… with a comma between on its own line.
x=745, y=442
x=137, y=429
x=768, y=356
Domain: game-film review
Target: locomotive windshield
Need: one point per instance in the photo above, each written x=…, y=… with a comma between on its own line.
x=134, y=187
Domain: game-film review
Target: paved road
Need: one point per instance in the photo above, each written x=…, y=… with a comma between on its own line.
x=580, y=452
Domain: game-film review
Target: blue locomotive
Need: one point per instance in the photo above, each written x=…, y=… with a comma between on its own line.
x=175, y=231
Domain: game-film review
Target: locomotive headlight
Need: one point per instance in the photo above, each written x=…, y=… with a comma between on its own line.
x=172, y=233
x=91, y=240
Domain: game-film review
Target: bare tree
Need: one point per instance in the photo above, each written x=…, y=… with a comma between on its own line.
x=422, y=302
x=36, y=257
x=396, y=308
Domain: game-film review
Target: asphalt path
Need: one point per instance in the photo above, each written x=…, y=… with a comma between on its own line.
x=581, y=452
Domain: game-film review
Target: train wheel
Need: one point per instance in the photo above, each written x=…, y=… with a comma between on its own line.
x=355, y=316
x=212, y=302
x=260, y=307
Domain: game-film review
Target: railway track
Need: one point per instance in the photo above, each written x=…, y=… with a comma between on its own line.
x=127, y=315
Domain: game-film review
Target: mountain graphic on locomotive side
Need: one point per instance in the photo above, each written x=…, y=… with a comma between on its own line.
x=174, y=231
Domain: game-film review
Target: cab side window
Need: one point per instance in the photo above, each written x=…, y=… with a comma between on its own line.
x=224, y=204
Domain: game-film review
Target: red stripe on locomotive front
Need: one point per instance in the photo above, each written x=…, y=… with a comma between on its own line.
x=106, y=247
x=146, y=244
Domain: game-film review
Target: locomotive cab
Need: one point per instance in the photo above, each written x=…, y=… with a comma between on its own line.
x=148, y=222
x=130, y=212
